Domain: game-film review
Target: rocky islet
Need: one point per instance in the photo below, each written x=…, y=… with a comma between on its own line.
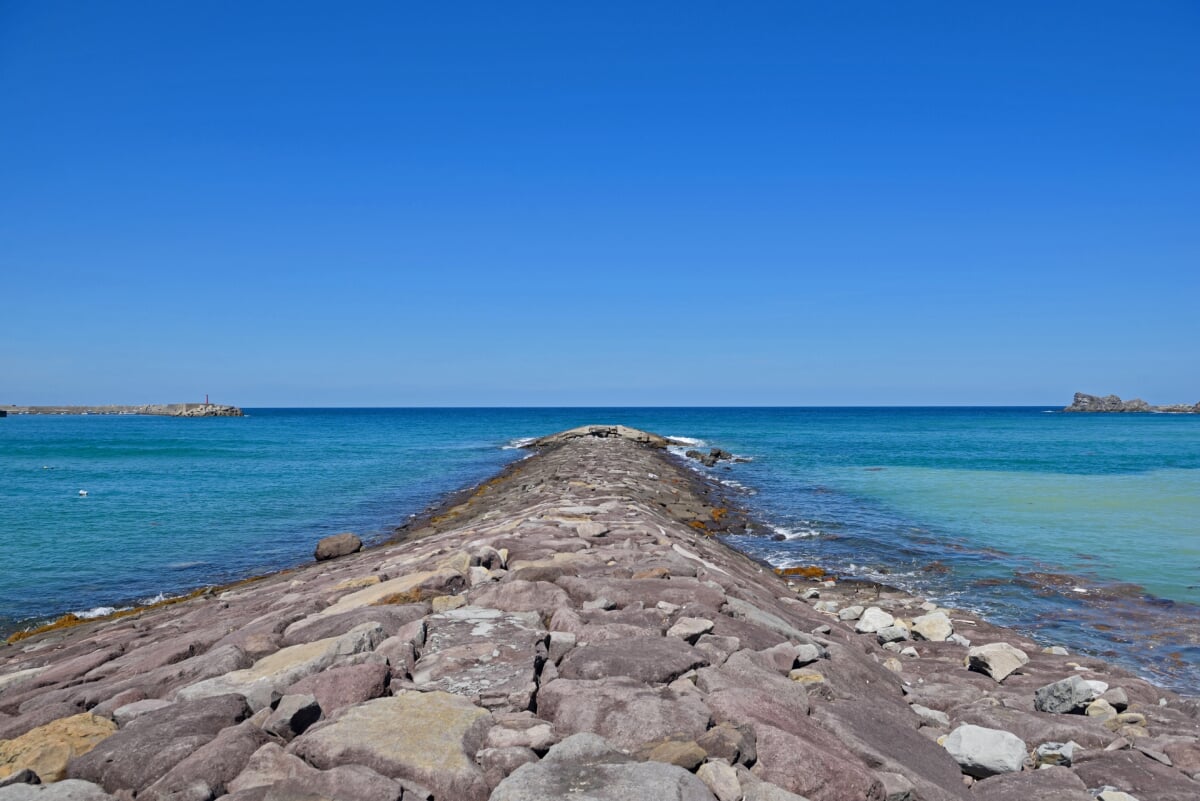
x=573, y=629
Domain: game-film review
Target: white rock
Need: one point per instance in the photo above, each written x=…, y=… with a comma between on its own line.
x=996, y=659
x=935, y=627
x=721, y=779
x=984, y=752
x=932, y=716
x=872, y=620
x=850, y=613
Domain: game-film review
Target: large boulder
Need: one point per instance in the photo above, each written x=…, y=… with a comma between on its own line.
x=872, y=620
x=484, y=654
x=337, y=545
x=151, y=744
x=430, y=738
x=273, y=775
x=343, y=686
x=265, y=681
x=627, y=713
x=204, y=774
x=584, y=767
x=997, y=659
x=935, y=627
x=69, y=790
x=984, y=752
x=1068, y=695
x=653, y=660
x=47, y=749
x=1044, y=784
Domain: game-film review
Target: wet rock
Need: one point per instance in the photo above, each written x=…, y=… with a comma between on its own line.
x=280, y=776
x=47, y=749
x=984, y=752
x=426, y=737
x=998, y=659
x=627, y=713
x=337, y=545
x=653, y=660
x=1068, y=695
x=587, y=768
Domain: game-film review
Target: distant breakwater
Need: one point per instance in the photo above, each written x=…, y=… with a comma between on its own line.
x=156, y=409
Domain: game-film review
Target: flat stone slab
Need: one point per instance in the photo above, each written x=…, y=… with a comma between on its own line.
x=484, y=654
x=430, y=738
x=586, y=768
x=653, y=660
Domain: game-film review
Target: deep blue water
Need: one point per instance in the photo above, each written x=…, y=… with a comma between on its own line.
x=1081, y=529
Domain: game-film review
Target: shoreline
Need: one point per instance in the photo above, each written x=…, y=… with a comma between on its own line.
x=582, y=593
x=144, y=410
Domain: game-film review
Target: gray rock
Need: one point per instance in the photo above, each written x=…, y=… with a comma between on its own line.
x=690, y=628
x=653, y=660
x=984, y=752
x=292, y=716
x=935, y=627
x=584, y=768
x=430, y=738
x=850, y=613
x=123, y=714
x=1071, y=694
x=625, y=712
x=891, y=634
x=932, y=717
x=997, y=659
x=337, y=545
x=872, y=620
x=203, y=775
x=154, y=743
x=273, y=775
x=69, y=790
x=1055, y=754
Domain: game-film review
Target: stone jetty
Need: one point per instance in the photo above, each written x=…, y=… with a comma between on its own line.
x=573, y=629
x=156, y=409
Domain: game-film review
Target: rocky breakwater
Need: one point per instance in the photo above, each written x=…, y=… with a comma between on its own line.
x=572, y=630
x=1111, y=403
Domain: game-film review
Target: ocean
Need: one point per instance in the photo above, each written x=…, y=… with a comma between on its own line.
x=1081, y=530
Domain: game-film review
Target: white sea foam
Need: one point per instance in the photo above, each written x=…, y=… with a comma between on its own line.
x=184, y=565
x=157, y=599
x=99, y=611
x=518, y=443
x=796, y=533
x=691, y=442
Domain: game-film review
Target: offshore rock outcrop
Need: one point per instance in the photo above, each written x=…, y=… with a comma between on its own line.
x=572, y=629
x=1111, y=403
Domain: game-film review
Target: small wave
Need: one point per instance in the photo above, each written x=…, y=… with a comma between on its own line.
x=184, y=565
x=796, y=533
x=99, y=611
x=691, y=442
x=518, y=443
x=157, y=599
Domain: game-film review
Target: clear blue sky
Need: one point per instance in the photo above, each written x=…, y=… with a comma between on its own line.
x=599, y=204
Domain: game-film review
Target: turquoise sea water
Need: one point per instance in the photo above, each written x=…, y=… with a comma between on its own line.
x=1083, y=530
